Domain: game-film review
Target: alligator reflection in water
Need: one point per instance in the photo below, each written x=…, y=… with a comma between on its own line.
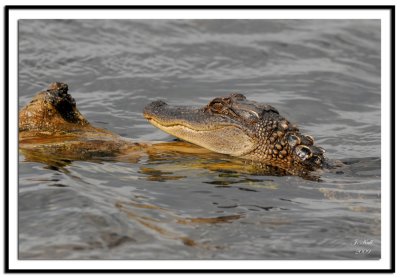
x=163, y=161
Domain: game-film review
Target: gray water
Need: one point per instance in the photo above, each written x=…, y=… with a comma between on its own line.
x=323, y=75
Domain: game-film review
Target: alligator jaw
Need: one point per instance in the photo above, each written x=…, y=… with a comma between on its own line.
x=215, y=133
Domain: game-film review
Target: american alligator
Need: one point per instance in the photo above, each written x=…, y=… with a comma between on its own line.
x=233, y=125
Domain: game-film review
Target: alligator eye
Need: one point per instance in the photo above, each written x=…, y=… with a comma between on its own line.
x=293, y=140
x=303, y=152
x=216, y=105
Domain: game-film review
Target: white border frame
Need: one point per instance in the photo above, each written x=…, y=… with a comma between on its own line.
x=383, y=15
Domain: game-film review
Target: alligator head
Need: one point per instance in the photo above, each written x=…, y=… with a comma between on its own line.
x=236, y=126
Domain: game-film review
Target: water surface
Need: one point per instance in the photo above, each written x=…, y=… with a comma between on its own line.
x=323, y=75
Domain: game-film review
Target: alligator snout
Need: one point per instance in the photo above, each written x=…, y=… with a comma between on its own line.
x=153, y=108
x=157, y=103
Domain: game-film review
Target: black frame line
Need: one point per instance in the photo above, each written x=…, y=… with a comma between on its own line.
x=7, y=10
x=202, y=7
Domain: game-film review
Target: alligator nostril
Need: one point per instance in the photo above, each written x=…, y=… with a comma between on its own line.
x=303, y=152
x=153, y=108
x=158, y=103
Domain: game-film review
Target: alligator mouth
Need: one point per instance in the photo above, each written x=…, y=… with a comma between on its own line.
x=162, y=125
x=214, y=132
x=182, y=123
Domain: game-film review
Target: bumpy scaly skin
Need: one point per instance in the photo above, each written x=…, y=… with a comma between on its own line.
x=280, y=143
x=269, y=138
